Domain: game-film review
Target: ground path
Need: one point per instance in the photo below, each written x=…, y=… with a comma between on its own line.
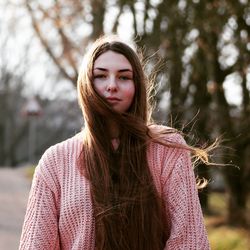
x=14, y=189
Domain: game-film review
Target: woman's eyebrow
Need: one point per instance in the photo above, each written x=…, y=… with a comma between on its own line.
x=125, y=70
x=102, y=69
x=120, y=70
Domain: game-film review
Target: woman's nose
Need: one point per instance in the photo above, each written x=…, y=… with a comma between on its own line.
x=112, y=85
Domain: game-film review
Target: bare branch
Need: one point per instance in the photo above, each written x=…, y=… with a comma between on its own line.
x=114, y=29
x=134, y=17
x=44, y=42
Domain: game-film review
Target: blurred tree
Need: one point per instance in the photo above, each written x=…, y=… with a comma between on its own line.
x=204, y=43
x=62, y=117
x=12, y=129
x=10, y=136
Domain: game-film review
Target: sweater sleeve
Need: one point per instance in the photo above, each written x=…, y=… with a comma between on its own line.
x=40, y=228
x=183, y=210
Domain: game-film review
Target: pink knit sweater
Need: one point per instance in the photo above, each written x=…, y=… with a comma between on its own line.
x=60, y=214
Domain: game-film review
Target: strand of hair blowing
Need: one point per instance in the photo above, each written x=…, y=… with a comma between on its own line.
x=127, y=208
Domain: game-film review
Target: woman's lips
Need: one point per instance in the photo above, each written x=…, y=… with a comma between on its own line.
x=113, y=99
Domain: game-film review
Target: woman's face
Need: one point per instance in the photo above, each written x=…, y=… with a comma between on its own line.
x=113, y=80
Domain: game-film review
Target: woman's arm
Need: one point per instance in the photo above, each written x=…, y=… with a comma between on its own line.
x=40, y=228
x=183, y=210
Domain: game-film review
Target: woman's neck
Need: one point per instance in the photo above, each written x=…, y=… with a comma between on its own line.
x=114, y=130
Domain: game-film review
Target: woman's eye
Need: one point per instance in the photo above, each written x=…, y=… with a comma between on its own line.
x=125, y=78
x=101, y=76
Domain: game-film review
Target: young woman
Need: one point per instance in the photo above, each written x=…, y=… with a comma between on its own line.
x=121, y=183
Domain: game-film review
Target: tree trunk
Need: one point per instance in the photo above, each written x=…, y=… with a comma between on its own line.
x=237, y=199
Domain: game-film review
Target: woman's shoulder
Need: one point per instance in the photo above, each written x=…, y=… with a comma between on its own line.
x=61, y=153
x=166, y=135
x=166, y=146
x=166, y=143
x=64, y=148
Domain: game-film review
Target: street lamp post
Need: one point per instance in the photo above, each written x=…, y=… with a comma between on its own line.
x=32, y=110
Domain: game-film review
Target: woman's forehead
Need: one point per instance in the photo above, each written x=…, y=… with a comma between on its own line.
x=111, y=59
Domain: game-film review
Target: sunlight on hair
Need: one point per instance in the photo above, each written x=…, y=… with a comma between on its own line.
x=203, y=154
x=201, y=182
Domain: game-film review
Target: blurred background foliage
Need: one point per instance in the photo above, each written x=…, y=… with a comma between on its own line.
x=204, y=76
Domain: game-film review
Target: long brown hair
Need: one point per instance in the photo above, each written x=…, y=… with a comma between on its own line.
x=128, y=211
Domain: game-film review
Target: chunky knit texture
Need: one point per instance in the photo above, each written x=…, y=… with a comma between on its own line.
x=60, y=213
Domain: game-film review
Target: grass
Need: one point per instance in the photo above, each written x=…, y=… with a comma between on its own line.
x=226, y=238
x=29, y=171
x=222, y=236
